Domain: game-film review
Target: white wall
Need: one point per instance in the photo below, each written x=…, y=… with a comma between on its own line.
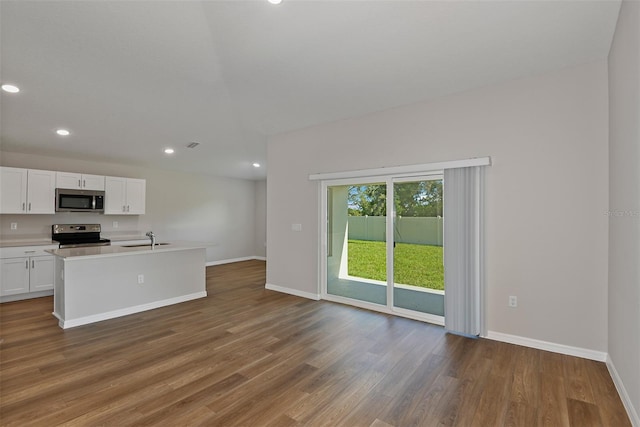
x=546, y=226
x=624, y=201
x=220, y=212
x=261, y=219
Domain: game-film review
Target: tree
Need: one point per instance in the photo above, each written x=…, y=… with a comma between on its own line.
x=419, y=199
x=412, y=199
x=368, y=200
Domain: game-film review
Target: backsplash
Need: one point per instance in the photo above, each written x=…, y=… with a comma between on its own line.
x=40, y=225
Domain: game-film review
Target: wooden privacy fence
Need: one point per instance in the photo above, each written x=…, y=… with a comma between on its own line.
x=416, y=230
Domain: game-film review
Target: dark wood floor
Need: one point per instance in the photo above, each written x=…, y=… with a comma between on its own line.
x=245, y=356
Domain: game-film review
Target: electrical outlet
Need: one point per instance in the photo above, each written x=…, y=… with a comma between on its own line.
x=513, y=301
x=140, y=279
x=115, y=224
x=14, y=225
x=296, y=227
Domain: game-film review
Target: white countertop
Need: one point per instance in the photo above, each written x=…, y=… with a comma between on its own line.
x=26, y=241
x=109, y=251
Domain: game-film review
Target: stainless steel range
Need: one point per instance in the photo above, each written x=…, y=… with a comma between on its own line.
x=78, y=235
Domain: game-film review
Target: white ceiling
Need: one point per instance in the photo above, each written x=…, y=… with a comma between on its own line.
x=129, y=78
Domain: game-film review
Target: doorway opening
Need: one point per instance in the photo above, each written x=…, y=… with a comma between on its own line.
x=383, y=255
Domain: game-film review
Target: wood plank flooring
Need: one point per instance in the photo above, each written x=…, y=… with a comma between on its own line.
x=246, y=356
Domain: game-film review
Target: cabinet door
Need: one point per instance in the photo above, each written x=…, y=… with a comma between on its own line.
x=13, y=190
x=115, y=189
x=15, y=276
x=93, y=182
x=41, y=192
x=41, y=273
x=136, y=193
x=68, y=180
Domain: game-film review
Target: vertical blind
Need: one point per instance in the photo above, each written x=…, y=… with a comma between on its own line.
x=463, y=270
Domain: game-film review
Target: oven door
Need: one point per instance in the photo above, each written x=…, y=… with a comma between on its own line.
x=79, y=200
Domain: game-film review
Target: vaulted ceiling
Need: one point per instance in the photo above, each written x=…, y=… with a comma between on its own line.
x=130, y=78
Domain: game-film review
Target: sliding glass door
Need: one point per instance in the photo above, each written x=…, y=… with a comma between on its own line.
x=418, y=268
x=356, y=256
x=381, y=255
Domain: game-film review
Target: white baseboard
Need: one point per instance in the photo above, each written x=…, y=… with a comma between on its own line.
x=229, y=261
x=290, y=291
x=600, y=356
x=30, y=295
x=622, y=391
x=65, y=324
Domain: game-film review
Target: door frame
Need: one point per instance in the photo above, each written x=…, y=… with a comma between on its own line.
x=389, y=181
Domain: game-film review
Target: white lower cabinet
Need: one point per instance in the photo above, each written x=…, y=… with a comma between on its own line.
x=22, y=275
x=41, y=273
x=25, y=275
x=15, y=276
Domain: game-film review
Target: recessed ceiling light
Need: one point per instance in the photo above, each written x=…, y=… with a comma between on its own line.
x=10, y=88
x=169, y=151
x=275, y=1
x=256, y=165
x=63, y=132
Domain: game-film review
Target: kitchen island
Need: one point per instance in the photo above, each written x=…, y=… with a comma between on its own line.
x=97, y=283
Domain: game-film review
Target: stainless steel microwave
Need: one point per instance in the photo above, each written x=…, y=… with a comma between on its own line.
x=79, y=200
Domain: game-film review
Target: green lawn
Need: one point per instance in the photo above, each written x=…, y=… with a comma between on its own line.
x=417, y=265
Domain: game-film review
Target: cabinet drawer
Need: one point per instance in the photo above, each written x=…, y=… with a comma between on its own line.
x=25, y=251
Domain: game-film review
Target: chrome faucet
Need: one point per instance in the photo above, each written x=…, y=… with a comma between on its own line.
x=152, y=237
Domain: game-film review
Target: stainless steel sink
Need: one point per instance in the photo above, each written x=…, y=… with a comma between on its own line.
x=146, y=244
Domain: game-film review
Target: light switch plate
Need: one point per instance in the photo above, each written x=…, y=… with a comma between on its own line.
x=296, y=227
x=14, y=225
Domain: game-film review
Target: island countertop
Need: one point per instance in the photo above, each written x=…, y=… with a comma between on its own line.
x=111, y=251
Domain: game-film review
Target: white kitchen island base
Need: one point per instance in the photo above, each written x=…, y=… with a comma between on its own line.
x=100, y=284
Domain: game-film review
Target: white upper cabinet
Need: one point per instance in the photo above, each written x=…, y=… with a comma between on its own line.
x=115, y=196
x=93, y=182
x=41, y=192
x=32, y=191
x=29, y=191
x=136, y=196
x=124, y=196
x=79, y=181
x=13, y=190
